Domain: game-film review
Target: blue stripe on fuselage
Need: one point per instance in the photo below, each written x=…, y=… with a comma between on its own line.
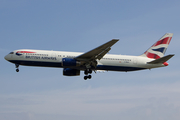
x=36, y=63
x=58, y=64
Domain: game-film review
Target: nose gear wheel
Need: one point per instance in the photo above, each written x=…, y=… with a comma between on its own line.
x=17, y=67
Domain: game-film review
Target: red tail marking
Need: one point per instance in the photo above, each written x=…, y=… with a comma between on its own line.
x=152, y=55
x=163, y=41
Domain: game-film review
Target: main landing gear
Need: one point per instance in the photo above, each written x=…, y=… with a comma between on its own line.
x=86, y=72
x=17, y=67
x=86, y=77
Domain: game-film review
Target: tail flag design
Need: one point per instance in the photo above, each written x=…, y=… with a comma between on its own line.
x=158, y=49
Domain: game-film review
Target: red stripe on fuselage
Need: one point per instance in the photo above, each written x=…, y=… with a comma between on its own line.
x=25, y=52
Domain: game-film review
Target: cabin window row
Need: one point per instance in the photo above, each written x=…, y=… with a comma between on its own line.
x=37, y=54
x=117, y=59
x=66, y=56
x=102, y=58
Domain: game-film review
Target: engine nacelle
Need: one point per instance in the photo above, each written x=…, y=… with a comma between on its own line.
x=70, y=62
x=71, y=72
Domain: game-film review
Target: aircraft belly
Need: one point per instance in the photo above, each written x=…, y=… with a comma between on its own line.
x=125, y=65
x=118, y=68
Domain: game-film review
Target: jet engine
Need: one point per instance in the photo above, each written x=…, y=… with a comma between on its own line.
x=71, y=72
x=70, y=62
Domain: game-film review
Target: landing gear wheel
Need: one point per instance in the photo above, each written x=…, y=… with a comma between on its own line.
x=89, y=76
x=85, y=77
x=17, y=70
x=86, y=72
x=17, y=67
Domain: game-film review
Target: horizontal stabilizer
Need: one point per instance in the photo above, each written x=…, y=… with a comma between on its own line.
x=161, y=60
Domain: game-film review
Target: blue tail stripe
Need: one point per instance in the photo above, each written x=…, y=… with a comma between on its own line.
x=160, y=49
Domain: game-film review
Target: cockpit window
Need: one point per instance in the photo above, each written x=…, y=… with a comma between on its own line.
x=11, y=53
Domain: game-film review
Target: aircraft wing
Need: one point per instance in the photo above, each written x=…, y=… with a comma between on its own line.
x=98, y=52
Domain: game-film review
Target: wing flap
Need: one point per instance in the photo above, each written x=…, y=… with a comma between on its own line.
x=103, y=53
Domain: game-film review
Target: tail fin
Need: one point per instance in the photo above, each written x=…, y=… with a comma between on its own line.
x=158, y=49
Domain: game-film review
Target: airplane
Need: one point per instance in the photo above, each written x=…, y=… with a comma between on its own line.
x=94, y=60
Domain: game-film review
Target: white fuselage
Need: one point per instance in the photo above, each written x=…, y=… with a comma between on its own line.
x=110, y=62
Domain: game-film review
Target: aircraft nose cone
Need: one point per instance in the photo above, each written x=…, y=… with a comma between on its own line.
x=6, y=57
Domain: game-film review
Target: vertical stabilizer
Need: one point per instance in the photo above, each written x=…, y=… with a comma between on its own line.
x=158, y=49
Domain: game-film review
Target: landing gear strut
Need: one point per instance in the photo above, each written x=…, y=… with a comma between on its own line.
x=17, y=67
x=86, y=72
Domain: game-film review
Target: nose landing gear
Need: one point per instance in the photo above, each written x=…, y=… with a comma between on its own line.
x=17, y=67
x=17, y=70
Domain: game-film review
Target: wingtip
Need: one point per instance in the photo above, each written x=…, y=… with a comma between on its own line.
x=115, y=39
x=172, y=55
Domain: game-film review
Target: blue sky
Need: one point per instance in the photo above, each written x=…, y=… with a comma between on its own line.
x=44, y=93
